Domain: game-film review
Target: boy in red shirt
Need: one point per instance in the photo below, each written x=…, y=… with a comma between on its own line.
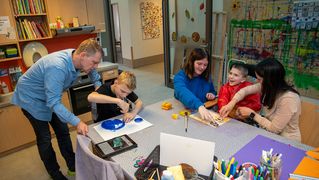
x=236, y=80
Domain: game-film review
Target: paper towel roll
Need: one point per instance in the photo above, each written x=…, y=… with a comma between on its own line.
x=32, y=52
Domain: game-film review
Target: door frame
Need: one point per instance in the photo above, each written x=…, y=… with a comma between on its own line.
x=166, y=38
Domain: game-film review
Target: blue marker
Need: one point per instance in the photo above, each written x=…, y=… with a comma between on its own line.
x=223, y=167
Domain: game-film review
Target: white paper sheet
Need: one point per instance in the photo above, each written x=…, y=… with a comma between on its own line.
x=4, y=24
x=197, y=153
x=129, y=128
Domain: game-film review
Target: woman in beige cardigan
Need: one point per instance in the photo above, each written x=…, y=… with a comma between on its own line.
x=282, y=106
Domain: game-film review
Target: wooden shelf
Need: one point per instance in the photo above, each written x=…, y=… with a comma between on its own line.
x=10, y=59
x=31, y=20
x=28, y=15
x=14, y=44
x=7, y=43
x=25, y=40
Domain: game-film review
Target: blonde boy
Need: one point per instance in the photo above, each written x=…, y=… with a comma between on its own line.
x=114, y=98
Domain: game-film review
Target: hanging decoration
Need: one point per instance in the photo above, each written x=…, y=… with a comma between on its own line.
x=151, y=19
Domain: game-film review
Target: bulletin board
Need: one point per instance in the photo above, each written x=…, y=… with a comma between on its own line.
x=286, y=30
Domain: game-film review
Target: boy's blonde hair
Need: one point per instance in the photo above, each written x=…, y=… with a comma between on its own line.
x=128, y=79
x=90, y=46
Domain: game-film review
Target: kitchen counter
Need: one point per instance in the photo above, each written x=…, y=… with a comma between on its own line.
x=103, y=66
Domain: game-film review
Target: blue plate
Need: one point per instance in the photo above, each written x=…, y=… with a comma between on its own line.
x=113, y=125
x=138, y=120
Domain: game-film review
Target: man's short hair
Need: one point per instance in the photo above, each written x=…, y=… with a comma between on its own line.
x=90, y=46
x=241, y=67
x=128, y=79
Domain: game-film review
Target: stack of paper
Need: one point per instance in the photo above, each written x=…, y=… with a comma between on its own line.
x=307, y=169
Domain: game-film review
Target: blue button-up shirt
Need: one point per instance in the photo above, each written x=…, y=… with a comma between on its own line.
x=40, y=89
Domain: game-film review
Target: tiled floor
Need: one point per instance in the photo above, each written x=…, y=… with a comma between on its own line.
x=26, y=164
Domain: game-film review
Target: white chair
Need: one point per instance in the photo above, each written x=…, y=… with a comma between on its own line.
x=88, y=166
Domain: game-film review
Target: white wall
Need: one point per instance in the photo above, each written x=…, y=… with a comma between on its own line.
x=125, y=26
x=131, y=31
x=218, y=5
x=144, y=48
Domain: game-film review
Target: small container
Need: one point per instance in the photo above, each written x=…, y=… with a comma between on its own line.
x=220, y=176
x=274, y=168
x=167, y=175
x=75, y=21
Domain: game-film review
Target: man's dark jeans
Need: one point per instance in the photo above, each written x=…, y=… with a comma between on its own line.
x=43, y=135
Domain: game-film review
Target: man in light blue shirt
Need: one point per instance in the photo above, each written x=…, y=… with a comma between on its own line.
x=39, y=91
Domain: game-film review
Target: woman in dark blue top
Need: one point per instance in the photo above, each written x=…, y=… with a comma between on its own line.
x=192, y=84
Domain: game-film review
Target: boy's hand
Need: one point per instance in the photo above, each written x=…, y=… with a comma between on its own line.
x=210, y=96
x=225, y=110
x=124, y=106
x=128, y=117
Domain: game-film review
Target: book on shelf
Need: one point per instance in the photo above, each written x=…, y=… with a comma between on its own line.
x=21, y=7
x=31, y=29
x=23, y=32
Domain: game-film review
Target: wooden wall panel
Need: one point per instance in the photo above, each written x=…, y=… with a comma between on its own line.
x=6, y=11
x=309, y=123
x=67, y=9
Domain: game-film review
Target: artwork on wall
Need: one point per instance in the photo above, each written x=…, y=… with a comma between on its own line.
x=151, y=20
x=265, y=28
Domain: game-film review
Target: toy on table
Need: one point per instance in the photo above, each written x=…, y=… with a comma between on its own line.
x=175, y=116
x=167, y=105
x=183, y=112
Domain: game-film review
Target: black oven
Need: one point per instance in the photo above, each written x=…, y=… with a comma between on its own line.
x=78, y=94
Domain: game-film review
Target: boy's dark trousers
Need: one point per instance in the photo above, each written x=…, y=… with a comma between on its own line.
x=47, y=154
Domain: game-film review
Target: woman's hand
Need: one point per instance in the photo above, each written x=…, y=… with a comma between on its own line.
x=204, y=113
x=244, y=112
x=210, y=96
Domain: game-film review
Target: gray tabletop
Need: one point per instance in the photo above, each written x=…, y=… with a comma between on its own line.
x=229, y=138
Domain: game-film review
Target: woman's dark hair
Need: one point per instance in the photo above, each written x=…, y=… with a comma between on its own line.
x=196, y=54
x=273, y=84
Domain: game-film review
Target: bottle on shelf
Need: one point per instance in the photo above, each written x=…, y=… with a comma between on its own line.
x=59, y=23
x=18, y=72
x=4, y=87
x=14, y=73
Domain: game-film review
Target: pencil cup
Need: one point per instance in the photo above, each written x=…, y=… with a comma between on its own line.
x=220, y=176
x=274, y=169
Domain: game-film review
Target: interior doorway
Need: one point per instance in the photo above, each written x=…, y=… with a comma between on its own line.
x=117, y=32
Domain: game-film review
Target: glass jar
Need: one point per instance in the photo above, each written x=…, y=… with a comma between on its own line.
x=273, y=168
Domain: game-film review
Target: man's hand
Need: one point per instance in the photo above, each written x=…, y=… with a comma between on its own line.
x=204, y=113
x=82, y=128
x=129, y=117
x=210, y=96
x=124, y=106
